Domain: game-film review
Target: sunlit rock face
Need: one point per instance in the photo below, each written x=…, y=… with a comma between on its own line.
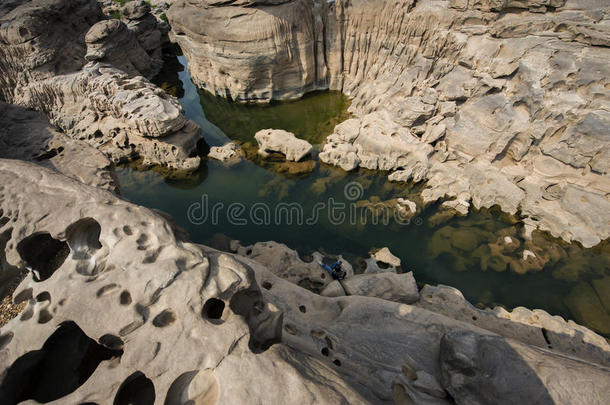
x=492, y=103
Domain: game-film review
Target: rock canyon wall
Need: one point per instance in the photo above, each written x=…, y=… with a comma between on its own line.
x=490, y=102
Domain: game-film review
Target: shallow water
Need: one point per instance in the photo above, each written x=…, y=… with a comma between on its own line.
x=235, y=200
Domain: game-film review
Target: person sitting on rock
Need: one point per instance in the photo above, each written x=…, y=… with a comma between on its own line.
x=335, y=270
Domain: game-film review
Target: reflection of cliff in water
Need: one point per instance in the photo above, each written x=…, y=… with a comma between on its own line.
x=312, y=117
x=168, y=78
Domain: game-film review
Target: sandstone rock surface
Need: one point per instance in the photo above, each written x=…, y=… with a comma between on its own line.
x=27, y=135
x=229, y=152
x=110, y=285
x=284, y=142
x=68, y=73
x=491, y=103
x=388, y=286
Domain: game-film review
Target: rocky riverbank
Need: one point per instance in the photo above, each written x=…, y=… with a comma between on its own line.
x=490, y=103
x=116, y=285
x=105, y=301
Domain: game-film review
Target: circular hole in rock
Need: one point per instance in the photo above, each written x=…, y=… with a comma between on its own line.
x=112, y=342
x=325, y=351
x=302, y=308
x=383, y=265
x=65, y=362
x=44, y=316
x=337, y=362
x=322, y=275
x=213, y=309
x=43, y=296
x=165, y=318
x=23, y=295
x=137, y=389
x=267, y=285
x=84, y=238
x=125, y=298
x=474, y=318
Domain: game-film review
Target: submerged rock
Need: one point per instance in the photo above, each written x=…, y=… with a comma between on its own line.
x=284, y=142
x=586, y=307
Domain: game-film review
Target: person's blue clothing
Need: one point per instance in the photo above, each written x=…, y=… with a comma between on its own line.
x=334, y=270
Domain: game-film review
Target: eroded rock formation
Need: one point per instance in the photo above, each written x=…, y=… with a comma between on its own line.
x=85, y=75
x=284, y=142
x=491, y=102
x=122, y=310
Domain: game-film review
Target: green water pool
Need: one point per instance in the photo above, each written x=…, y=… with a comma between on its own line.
x=241, y=201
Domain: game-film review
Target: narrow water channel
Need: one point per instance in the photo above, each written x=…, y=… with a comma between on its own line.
x=461, y=252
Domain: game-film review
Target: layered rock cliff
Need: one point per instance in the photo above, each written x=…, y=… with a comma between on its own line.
x=492, y=102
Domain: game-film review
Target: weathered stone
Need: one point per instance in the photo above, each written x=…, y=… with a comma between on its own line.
x=118, y=112
x=27, y=135
x=110, y=41
x=475, y=369
x=151, y=298
x=229, y=152
x=284, y=142
x=385, y=256
x=388, y=286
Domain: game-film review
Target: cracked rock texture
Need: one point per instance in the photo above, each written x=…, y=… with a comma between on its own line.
x=490, y=102
x=124, y=311
x=85, y=73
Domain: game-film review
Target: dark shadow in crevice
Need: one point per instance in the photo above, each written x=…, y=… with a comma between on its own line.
x=67, y=359
x=137, y=389
x=265, y=326
x=43, y=254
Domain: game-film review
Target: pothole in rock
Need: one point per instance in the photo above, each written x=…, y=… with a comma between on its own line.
x=265, y=325
x=311, y=285
x=84, y=240
x=137, y=389
x=67, y=359
x=213, y=310
x=43, y=254
x=165, y=318
x=194, y=387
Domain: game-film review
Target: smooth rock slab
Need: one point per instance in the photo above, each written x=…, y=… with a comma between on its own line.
x=479, y=369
